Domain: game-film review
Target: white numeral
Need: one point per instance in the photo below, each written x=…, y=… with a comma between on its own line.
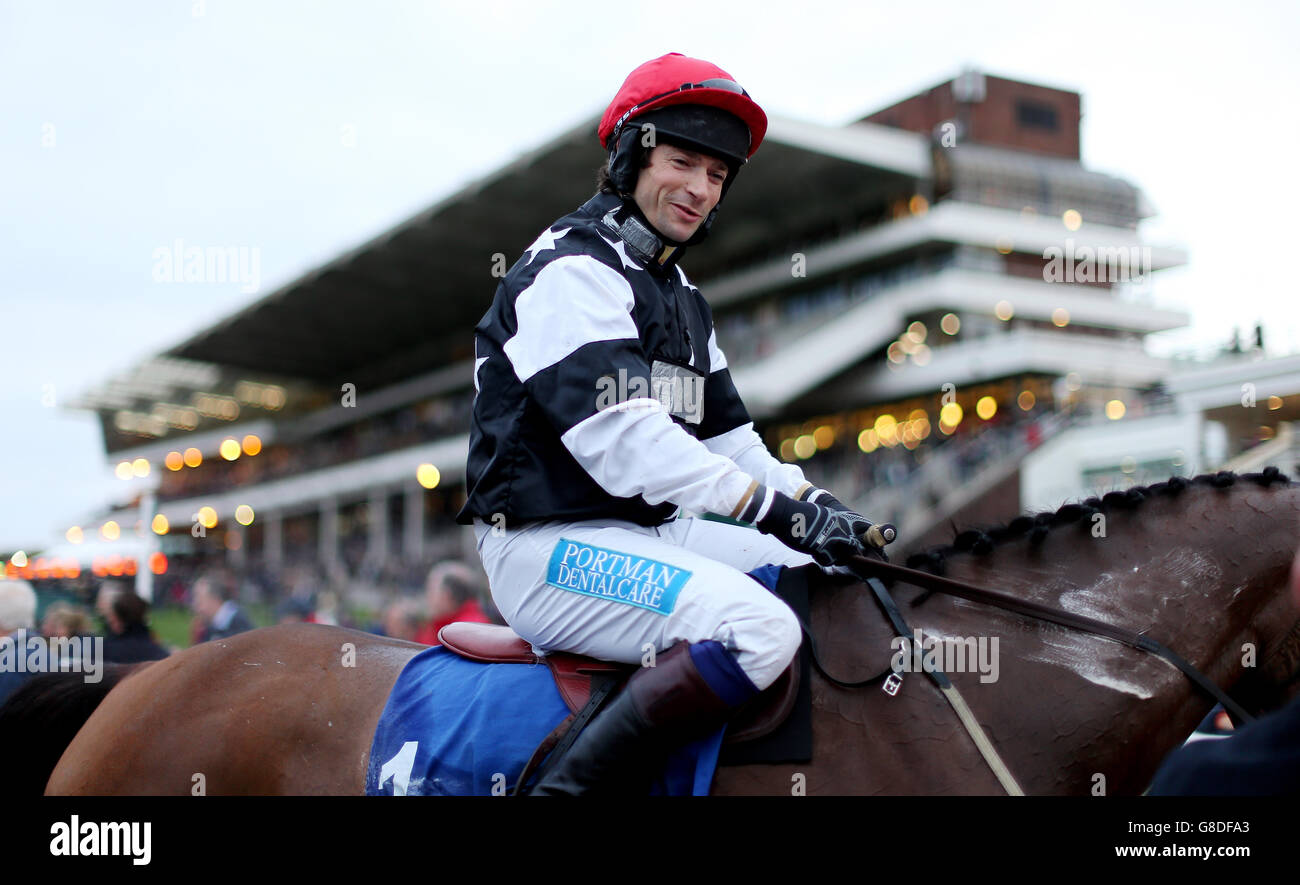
x=399, y=768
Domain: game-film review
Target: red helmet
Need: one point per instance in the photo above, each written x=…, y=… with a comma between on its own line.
x=675, y=79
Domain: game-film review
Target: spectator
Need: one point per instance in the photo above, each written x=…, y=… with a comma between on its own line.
x=65, y=619
x=214, y=603
x=327, y=608
x=128, y=640
x=17, y=616
x=452, y=595
x=403, y=620
x=108, y=591
x=295, y=610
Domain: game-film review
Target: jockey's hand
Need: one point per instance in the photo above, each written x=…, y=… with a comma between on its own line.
x=859, y=522
x=824, y=534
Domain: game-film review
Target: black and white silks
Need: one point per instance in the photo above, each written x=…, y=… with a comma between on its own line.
x=602, y=392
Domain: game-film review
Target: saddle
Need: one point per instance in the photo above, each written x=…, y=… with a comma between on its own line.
x=574, y=675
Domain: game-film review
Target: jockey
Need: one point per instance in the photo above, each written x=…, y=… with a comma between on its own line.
x=604, y=409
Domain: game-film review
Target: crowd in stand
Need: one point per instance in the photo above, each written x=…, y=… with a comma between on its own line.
x=402, y=428
x=964, y=456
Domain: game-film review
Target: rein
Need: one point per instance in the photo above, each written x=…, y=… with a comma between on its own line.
x=868, y=569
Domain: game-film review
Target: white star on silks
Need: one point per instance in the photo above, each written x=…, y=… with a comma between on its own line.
x=622, y=254
x=544, y=242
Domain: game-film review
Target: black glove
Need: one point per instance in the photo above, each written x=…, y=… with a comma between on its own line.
x=824, y=534
x=859, y=522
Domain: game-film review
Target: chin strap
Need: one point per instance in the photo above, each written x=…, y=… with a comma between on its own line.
x=643, y=243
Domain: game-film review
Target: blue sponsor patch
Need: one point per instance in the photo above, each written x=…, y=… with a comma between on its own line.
x=616, y=576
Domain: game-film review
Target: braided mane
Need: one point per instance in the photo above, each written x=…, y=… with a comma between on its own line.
x=982, y=541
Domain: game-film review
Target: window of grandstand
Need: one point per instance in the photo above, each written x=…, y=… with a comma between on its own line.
x=1033, y=115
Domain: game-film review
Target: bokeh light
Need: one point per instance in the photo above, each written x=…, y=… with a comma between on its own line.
x=428, y=476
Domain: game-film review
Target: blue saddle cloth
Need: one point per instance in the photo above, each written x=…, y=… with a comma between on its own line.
x=456, y=727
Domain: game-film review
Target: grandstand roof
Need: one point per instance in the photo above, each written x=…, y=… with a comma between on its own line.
x=403, y=302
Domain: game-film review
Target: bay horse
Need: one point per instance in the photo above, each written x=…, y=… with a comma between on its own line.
x=1200, y=564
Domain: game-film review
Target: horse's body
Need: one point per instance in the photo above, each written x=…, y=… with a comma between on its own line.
x=1200, y=567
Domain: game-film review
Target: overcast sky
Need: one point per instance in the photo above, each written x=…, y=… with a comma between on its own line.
x=305, y=128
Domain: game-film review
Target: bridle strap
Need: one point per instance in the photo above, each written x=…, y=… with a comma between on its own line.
x=867, y=568
x=950, y=693
x=940, y=679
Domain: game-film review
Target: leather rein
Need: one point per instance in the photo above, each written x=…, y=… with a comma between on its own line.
x=870, y=570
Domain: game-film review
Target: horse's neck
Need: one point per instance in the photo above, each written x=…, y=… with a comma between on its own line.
x=1072, y=712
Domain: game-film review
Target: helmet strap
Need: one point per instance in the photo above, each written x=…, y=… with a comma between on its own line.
x=643, y=242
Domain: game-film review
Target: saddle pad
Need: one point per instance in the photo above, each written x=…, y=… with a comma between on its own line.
x=791, y=741
x=455, y=727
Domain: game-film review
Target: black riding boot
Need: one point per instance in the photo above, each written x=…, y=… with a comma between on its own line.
x=661, y=708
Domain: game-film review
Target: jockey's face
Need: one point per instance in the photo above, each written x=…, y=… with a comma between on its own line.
x=678, y=189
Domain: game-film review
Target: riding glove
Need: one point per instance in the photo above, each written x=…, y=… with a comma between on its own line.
x=824, y=534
